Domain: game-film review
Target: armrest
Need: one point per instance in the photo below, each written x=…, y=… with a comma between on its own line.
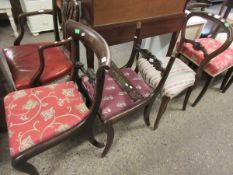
x=36, y=78
x=22, y=20
x=91, y=39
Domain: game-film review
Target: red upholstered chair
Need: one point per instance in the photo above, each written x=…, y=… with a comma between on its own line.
x=124, y=93
x=208, y=54
x=41, y=117
x=50, y=59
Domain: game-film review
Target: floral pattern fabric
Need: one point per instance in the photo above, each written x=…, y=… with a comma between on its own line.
x=115, y=100
x=218, y=64
x=38, y=114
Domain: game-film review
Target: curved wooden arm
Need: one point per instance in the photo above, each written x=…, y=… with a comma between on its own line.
x=94, y=41
x=35, y=81
x=91, y=39
x=22, y=20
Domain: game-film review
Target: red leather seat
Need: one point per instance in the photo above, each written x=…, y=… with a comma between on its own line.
x=23, y=61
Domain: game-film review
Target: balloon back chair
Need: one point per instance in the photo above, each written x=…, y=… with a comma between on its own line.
x=124, y=92
x=24, y=63
x=41, y=117
x=209, y=55
x=224, y=12
x=181, y=76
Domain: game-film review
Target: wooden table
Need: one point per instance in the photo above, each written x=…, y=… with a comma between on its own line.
x=116, y=20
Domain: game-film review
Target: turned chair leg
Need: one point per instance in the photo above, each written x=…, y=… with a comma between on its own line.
x=227, y=85
x=226, y=78
x=187, y=95
x=162, y=109
x=110, y=136
x=24, y=167
x=91, y=136
x=209, y=78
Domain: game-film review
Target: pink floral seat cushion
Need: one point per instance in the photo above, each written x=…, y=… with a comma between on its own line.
x=38, y=114
x=115, y=100
x=218, y=64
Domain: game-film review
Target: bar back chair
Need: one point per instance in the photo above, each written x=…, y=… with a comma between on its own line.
x=209, y=55
x=26, y=62
x=124, y=92
x=41, y=117
x=181, y=76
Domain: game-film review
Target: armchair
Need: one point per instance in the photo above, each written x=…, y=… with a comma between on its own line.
x=41, y=117
x=49, y=60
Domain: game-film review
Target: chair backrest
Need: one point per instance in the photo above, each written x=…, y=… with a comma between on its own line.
x=220, y=22
x=94, y=41
x=69, y=10
x=193, y=5
x=226, y=8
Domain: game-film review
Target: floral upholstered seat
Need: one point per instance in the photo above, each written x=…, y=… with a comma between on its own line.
x=180, y=77
x=218, y=64
x=38, y=114
x=115, y=100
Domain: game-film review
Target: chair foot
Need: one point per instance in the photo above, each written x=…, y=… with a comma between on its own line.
x=24, y=167
x=188, y=93
x=94, y=142
x=209, y=78
x=162, y=108
x=147, y=111
x=227, y=85
x=110, y=136
x=91, y=136
x=225, y=79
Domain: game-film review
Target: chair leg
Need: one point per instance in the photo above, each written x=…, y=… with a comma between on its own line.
x=188, y=93
x=227, y=85
x=24, y=167
x=162, y=108
x=226, y=78
x=209, y=78
x=110, y=136
x=91, y=136
x=147, y=111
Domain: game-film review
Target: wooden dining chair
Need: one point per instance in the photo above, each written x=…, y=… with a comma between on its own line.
x=209, y=55
x=41, y=117
x=124, y=92
x=224, y=12
x=26, y=62
x=181, y=76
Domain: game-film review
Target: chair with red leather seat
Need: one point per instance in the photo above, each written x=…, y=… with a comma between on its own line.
x=50, y=59
x=41, y=117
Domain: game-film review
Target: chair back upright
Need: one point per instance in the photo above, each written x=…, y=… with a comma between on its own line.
x=98, y=45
